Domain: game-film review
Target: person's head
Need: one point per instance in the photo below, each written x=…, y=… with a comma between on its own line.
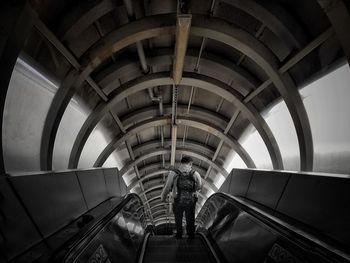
x=186, y=164
x=186, y=160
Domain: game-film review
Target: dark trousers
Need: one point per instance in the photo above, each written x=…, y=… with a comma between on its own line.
x=189, y=214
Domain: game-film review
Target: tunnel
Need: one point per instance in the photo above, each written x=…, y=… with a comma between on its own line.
x=101, y=100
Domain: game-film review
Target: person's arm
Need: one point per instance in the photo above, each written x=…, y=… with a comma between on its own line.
x=168, y=185
x=198, y=181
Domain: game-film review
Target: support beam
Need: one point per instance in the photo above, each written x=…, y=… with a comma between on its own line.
x=213, y=28
x=272, y=22
x=161, y=172
x=173, y=125
x=157, y=201
x=161, y=205
x=150, y=189
x=196, y=69
x=338, y=15
x=244, y=82
x=144, y=113
x=173, y=144
x=162, y=211
x=161, y=221
x=157, y=152
x=200, y=81
x=116, y=142
x=139, y=47
x=293, y=61
x=132, y=157
x=183, y=25
x=42, y=28
x=190, y=144
x=158, y=166
x=87, y=19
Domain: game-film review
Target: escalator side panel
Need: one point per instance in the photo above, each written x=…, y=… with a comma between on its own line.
x=244, y=240
x=242, y=235
x=117, y=241
x=239, y=236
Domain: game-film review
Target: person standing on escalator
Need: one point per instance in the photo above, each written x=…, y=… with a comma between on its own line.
x=184, y=184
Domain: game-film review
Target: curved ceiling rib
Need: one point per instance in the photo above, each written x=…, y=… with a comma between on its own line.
x=162, y=221
x=149, y=145
x=156, y=166
x=86, y=20
x=157, y=152
x=298, y=115
x=162, y=205
x=116, y=41
x=158, y=188
x=164, y=211
x=250, y=7
x=167, y=219
x=212, y=65
x=152, y=111
x=161, y=121
x=223, y=32
x=200, y=81
x=124, y=36
x=161, y=172
x=153, y=199
x=161, y=182
x=267, y=18
x=147, y=176
x=153, y=188
x=239, y=89
x=155, y=169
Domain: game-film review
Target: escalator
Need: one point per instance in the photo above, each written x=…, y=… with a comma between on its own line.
x=228, y=230
x=166, y=249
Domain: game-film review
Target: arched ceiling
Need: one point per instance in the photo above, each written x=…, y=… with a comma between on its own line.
x=241, y=56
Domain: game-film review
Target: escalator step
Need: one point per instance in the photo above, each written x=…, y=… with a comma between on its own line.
x=168, y=249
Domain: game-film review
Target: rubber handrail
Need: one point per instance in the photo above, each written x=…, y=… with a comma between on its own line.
x=93, y=230
x=282, y=227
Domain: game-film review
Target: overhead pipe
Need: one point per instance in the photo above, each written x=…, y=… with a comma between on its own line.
x=141, y=54
x=145, y=68
x=139, y=46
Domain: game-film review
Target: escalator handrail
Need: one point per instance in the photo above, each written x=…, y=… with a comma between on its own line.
x=75, y=248
x=143, y=248
x=281, y=226
x=209, y=245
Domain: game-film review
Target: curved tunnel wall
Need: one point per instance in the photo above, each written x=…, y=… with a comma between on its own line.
x=31, y=90
x=326, y=103
x=312, y=202
x=259, y=55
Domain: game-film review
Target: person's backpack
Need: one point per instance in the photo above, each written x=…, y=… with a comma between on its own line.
x=186, y=186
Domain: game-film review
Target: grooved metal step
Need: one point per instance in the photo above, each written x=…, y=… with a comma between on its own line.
x=167, y=249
